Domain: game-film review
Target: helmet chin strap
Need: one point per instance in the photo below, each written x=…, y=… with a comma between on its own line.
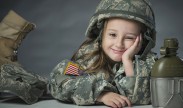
x=100, y=26
x=99, y=38
x=150, y=44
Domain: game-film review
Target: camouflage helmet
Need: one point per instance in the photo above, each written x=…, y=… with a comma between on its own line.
x=138, y=10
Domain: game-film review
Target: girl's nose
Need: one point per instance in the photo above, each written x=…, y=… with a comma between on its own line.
x=119, y=43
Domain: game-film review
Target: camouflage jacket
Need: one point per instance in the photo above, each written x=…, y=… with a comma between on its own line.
x=83, y=89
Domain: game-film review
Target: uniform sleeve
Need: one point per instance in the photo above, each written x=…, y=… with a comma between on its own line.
x=137, y=88
x=79, y=89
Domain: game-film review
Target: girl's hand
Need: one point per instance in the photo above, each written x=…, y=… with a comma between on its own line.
x=114, y=100
x=134, y=49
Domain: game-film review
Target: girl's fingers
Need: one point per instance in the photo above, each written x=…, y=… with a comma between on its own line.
x=115, y=100
x=112, y=104
x=126, y=100
x=122, y=101
x=118, y=103
x=140, y=41
x=137, y=40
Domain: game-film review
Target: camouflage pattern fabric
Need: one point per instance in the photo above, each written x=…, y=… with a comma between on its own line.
x=85, y=88
x=139, y=10
x=15, y=80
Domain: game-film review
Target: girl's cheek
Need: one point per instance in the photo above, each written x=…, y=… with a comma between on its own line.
x=128, y=44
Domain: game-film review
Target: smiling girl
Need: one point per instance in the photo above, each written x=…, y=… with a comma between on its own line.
x=113, y=65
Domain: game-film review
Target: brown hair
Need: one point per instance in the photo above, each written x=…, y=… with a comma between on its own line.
x=103, y=62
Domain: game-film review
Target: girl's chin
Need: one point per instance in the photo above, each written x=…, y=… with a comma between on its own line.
x=117, y=59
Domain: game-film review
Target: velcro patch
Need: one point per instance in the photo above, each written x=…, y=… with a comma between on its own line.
x=72, y=69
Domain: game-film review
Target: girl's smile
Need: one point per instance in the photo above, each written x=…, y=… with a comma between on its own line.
x=118, y=52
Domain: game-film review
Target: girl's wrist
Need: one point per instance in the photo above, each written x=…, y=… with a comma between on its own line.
x=99, y=99
x=128, y=66
x=126, y=59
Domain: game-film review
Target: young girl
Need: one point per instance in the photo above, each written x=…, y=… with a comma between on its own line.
x=113, y=65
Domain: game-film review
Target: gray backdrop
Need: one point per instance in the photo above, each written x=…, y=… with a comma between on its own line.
x=61, y=26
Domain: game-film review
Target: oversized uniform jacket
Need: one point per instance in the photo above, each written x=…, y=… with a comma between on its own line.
x=70, y=84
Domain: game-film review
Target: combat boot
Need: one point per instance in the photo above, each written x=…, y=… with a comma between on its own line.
x=13, y=29
x=14, y=80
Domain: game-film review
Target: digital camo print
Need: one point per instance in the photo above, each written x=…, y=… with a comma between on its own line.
x=82, y=90
x=137, y=88
x=87, y=49
x=85, y=88
x=15, y=80
x=139, y=10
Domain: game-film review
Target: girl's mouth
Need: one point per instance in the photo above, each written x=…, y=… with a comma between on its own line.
x=117, y=51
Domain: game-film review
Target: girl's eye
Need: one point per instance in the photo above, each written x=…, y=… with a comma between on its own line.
x=112, y=34
x=130, y=37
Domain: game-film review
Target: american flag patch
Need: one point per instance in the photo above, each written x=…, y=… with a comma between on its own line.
x=72, y=69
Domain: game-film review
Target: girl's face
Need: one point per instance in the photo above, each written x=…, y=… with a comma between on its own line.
x=118, y=36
